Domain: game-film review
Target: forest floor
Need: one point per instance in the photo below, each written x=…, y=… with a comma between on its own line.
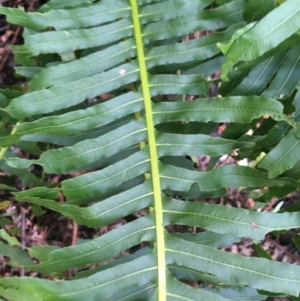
x=49, y=228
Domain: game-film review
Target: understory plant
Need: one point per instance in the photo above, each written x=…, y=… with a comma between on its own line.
x=117, y=103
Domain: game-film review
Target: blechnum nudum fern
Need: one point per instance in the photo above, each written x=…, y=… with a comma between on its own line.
x=133, y=147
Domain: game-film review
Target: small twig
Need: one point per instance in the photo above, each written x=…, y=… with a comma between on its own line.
x=224, y=162
x=23, y=234
x=283, y=249
x=75, y=234
x=74, y=241
x=2, y=262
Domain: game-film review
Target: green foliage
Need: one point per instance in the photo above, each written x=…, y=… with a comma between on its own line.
x=133, y=146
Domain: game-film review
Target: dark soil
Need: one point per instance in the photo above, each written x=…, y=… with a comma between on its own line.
x=12, y=35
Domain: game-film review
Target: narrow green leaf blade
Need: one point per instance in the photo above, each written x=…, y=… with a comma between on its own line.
x=194, y=145
x=104, y=284
x=98, y=250
x=228, y=109
x=179, y=179
x=67, y=95
x=258, y=273
x=101, y=213
x=237, y=222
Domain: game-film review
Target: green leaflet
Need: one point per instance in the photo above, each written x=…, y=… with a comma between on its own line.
x=16, y=255
x=102, y=213
x=63, y=19
x=285, y=81
x=79, y=120
x=87, y=66
x=98, y=250
x=232, y=221
x=283, y=157
x=7, y=187
x=42, y=192
x=25, y=176
x=89, y=151
x=178, y=291
x=228, y=176
x=71, y=40
x=193, y=145
x=237, y=109
x=259, y=76
x=245, y=293
x=92, y=185
x=142, y=293
x=168, y=84
x=54, y=4
x=53, y=99
x=208, y=238
x=182, y=272
x=41, y=252
x=285, y=154
x=142, y=272
x=253, y=272
x=294, y=172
